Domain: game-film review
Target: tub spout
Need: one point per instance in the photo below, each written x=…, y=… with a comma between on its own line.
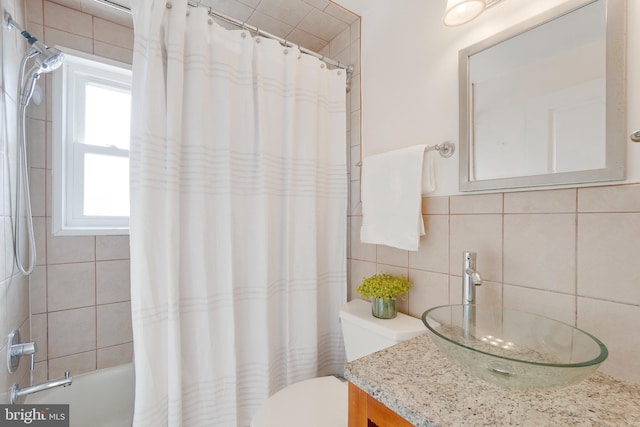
x=17, y=392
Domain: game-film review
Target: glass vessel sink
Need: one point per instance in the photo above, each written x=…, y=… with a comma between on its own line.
x=513, y=348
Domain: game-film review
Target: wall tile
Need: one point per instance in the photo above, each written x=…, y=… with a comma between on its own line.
x=607, y=256
x=112, y=248
x=359, y=250
x=76, y=364
x=620, y=198
x=112, y=281
x=109, y=51
x=38, y=290
x=55, y=37
x=109, y=13
x=34, y=11
x=302, y=38
x=269, y=24
x=39, y=335
x=36, y=137
x=392, y=256
x=557, y=306
x=355, y=205
x=18, y=301
x=355, y=29
x=64, y=249
x=355, y=132
x=549, y=201
x=71, y=286
x=354, y=94
x=435, y=205
x=354, y=160
x=340, y=43
x=433, y=252
x=72, y=331
x=428, y=290
x=539, y=251
x=341, y=13
x=476, y=204
x=322, y=24
x=481, y=234
x=67, y=20
x=40, y=234
x=289, y=11
x=355, y=55
x=114, y=324
x=37, y=190
x=616, y=325
x=115, y=355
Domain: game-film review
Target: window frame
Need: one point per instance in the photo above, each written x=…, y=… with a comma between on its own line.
x=69, y=83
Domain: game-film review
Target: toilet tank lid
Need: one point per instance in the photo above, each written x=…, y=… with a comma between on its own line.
x=401, y=328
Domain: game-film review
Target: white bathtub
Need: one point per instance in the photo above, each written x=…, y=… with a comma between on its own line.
x=103, y=398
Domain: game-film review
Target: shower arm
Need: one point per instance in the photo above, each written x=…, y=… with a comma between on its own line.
x=11, y=23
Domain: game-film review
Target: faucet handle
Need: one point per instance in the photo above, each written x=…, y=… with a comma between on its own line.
x=16, y=349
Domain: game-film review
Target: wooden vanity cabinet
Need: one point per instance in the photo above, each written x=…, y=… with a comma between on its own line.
x=365, y=411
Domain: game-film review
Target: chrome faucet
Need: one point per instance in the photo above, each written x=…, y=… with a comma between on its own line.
x=470, y=279
x=16, y=392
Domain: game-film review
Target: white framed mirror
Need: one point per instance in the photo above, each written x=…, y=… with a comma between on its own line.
x=543, y=103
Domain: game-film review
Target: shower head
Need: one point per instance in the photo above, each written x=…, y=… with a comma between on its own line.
x=48, y=58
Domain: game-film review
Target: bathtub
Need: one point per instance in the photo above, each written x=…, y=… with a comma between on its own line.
x=103, y=398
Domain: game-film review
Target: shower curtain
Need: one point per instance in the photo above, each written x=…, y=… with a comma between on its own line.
x=238, y=218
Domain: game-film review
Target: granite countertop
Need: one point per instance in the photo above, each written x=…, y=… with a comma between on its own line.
x=416, y=381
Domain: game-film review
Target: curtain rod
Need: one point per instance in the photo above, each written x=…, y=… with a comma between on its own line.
x=251, y=28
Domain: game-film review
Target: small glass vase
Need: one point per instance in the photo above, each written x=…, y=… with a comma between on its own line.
x=384, y=308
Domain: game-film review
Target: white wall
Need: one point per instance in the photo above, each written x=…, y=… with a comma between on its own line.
x=410, y=75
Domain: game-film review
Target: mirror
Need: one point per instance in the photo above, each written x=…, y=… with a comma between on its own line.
x=543, y=103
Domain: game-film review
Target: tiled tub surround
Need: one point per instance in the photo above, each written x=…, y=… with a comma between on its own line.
x=416, y=381
x=80, y=299
x=570, y=254
x=14, y=287
x=80, y=296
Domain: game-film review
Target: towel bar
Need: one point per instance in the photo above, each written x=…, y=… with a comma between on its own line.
x=446, y=150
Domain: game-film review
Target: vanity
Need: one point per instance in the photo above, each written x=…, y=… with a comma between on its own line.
x=414, y=384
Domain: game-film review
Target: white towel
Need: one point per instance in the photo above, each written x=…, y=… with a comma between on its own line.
x=392, y=185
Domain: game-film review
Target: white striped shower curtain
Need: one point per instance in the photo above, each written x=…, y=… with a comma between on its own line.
x=238, y=218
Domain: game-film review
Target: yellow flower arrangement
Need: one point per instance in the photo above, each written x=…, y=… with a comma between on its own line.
x=383, y=286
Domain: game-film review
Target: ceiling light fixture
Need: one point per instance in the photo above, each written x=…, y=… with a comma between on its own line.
x=460, y=12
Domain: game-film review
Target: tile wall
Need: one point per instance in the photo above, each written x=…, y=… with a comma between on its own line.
x=14, y=288
x=80, y=300
x=569, y=254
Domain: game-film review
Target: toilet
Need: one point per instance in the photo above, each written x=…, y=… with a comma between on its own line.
x=323, y=401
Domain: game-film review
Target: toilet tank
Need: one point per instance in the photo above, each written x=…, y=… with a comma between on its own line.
x=364, y=334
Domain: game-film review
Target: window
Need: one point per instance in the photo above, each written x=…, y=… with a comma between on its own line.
x=91, y=118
